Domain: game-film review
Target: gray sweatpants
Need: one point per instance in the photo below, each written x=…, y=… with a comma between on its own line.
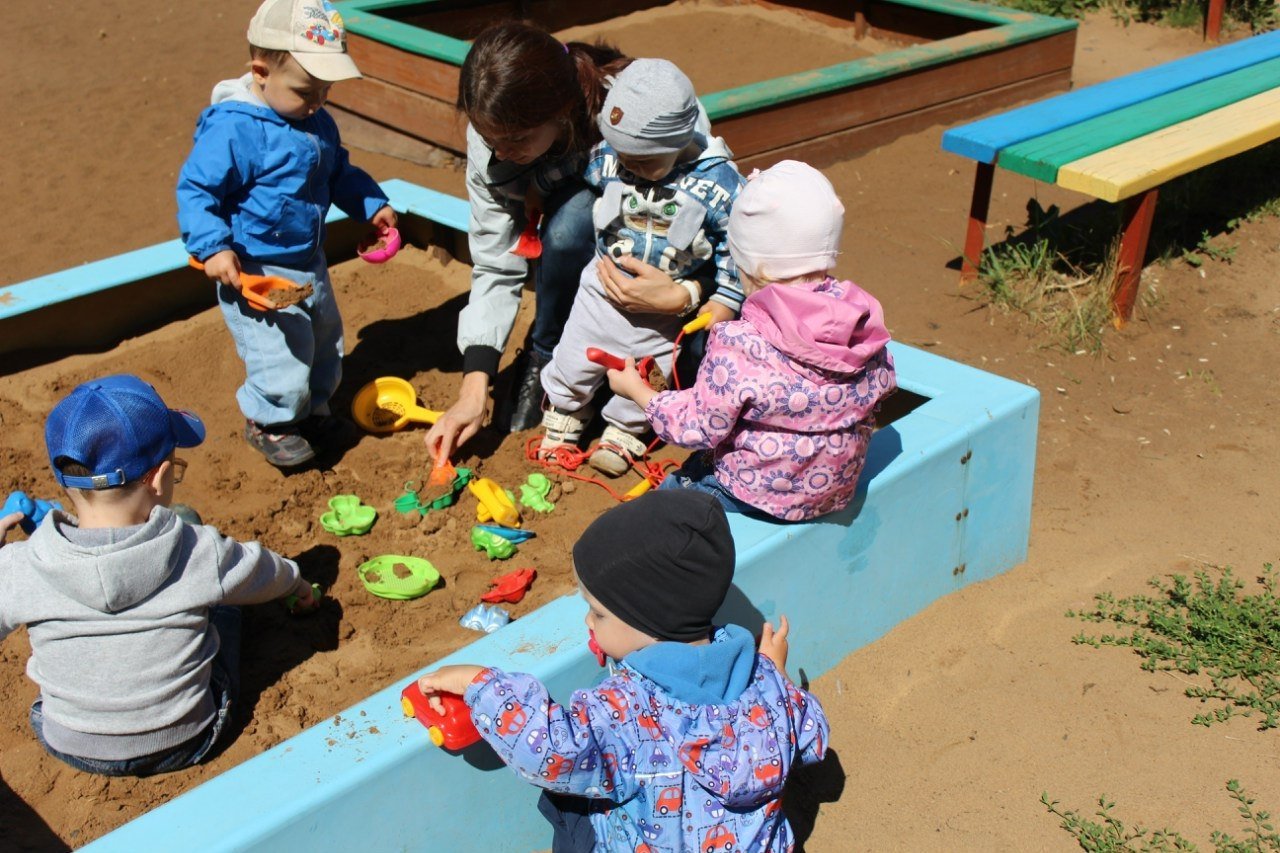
x=570, y=380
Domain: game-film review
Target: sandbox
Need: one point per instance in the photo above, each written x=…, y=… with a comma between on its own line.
x=880, y=68
x=945, y=501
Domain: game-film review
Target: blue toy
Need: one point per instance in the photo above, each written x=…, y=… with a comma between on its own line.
x=485, y=617
x=33, y=510
x=508, y=533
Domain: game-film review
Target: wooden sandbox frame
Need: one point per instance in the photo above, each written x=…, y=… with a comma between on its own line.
x=961, y=59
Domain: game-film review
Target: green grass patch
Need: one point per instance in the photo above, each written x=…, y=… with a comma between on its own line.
x=1207, y=627
x=1110, y=834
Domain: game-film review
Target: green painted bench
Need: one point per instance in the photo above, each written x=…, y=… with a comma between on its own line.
x=1120, y=140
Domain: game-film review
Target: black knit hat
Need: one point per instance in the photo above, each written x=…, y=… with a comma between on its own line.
x=662, y=563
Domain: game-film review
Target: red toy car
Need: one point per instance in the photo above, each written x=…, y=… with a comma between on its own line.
x=718, y=838
x=453, y=729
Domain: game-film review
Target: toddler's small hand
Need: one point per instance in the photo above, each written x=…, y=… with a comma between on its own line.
x=384, y=218
x=720, y=313
x=627, y=381
x=9, y=522
x=448, y=679
x=774, y=645
x=224, y=267
x=304, y=599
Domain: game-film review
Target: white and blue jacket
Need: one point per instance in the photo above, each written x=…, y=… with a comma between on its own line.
x=678, y=224
x=261, y=185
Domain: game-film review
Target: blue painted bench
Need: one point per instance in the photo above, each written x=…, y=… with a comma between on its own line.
x=1120, y=140
x=944, y=502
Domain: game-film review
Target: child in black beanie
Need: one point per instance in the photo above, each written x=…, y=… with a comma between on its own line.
x=688, y=744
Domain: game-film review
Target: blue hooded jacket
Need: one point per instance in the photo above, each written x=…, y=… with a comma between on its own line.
x=261, y=184
x=685, y=748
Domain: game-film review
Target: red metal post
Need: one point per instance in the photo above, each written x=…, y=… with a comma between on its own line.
x=1213, y=19
x=1139, y=211
x=976, y=236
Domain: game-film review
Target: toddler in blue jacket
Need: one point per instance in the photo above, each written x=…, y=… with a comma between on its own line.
x=252, y=196
x=688, y=744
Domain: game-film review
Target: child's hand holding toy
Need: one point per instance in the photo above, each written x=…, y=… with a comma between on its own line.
x=305, y=598
x=630, y=384
x=384, y=218
x=448, y=679
x=774, y=645
x=224, y=267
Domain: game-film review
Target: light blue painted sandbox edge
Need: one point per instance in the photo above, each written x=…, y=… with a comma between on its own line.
x=68, y=284
x=946, y=501
x=984, y=139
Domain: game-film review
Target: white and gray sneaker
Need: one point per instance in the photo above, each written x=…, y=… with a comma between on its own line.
x=616, y=451
x=561, y=429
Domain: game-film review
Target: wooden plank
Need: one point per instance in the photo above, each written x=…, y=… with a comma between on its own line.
x=844, y=75
x=983, y=140
x=824, y=150
x=1041, y=157
x=431, y=77
x=1151, y=160
x=404, y=110
x=788, y=123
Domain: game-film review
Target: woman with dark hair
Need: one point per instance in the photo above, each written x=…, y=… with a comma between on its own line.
x=532, y=105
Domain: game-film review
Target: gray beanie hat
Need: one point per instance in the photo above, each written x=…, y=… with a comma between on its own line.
x=650, y=109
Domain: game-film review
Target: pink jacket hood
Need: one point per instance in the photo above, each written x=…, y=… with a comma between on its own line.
x=830, y=325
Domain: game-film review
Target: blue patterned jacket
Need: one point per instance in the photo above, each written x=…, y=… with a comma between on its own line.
x=705, y=773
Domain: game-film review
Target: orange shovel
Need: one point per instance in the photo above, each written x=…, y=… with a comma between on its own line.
x=267, y=292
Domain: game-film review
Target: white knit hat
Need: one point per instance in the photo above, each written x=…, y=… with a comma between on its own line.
x=786, y=222
x=651, y=108
x=313, y=33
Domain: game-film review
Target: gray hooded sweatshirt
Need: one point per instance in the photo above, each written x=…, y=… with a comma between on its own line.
x=121, y=645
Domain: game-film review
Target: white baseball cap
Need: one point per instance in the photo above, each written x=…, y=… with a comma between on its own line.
x=312, y=32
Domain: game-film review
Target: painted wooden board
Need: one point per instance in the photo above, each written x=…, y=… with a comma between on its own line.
x=1041, y=157
x=1150, y=160
x=983, y=140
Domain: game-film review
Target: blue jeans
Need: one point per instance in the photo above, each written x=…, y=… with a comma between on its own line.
x=699, y=474
x=224, y=681
x=568, y=245
x=292, y=356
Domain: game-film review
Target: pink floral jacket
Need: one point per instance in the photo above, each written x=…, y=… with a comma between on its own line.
x=786, y=396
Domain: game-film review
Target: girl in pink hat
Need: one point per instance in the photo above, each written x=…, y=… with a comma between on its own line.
x=785, y=399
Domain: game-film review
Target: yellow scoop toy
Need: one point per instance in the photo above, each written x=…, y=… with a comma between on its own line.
x=387, y=404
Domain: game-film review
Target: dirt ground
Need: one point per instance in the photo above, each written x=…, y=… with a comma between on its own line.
x=1156, y=456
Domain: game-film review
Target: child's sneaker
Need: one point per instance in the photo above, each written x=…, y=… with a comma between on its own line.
x=617, y=449
x=561, y=429
x=283, y=446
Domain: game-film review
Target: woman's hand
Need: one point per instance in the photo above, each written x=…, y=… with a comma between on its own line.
x=646, y=290
x=463, y=419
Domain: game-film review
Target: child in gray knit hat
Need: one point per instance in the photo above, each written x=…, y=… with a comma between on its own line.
x=665, y=196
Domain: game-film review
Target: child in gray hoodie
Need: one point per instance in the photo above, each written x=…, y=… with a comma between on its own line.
x=134, y=643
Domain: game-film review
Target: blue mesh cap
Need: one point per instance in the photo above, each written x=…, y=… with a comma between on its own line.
x=118, y=428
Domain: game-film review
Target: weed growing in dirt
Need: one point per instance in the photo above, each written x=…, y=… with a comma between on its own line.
x=1206, y=628
x=1032, y=277
x=1111, y=835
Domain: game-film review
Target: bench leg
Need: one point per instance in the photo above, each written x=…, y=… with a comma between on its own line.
x=1213, y=20
x=976, y=235
x=1139, y=211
